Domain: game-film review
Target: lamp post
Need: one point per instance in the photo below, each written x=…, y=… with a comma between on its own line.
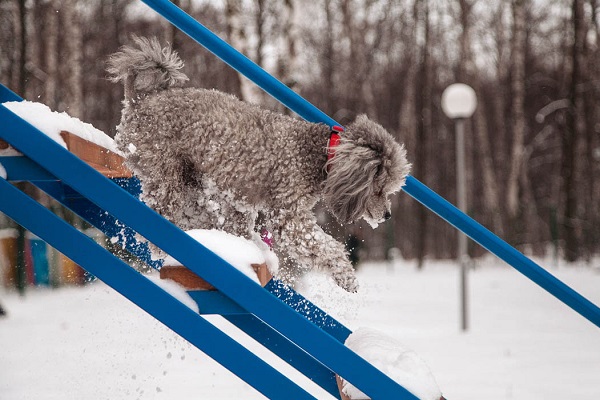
x=459, y=103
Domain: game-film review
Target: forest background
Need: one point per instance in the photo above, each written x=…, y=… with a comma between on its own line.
x=533, y=144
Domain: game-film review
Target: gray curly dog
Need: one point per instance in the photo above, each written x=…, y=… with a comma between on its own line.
x=208, y=160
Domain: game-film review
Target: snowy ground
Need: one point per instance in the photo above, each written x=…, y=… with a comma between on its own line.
x=91, y=343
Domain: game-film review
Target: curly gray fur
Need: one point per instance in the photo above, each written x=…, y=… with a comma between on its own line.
x=146, y=68
x=208, y=160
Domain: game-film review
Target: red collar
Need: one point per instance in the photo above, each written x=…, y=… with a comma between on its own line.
x=334, y=140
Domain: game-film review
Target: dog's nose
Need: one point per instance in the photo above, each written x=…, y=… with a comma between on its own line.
x=387, y=215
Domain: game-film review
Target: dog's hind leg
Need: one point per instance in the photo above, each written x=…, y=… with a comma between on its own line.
x=224, y=210
x=297, y=235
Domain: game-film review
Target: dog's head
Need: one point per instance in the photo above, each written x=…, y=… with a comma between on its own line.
x=369, y=166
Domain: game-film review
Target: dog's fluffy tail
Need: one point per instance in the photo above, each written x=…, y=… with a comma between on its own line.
x=146, y=68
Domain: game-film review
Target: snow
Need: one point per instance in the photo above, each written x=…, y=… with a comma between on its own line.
x=176, y=290
x=8, y=233
x=52, y=123
x=237, y=251
x=393, y=359
x=523, y=344
x=2, y=172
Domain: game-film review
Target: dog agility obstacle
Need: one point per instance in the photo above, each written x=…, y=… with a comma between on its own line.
x=413, y=187
x=276, y=316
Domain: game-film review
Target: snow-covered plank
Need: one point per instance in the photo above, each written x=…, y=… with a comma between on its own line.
x=103, y=160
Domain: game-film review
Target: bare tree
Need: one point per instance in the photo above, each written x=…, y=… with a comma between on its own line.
x=236, y=36
x=467, y=73
x=51, y=36
x=73, y=98
x=573, y=132
x=502, y=60
x=172, y=34
x=591, y=100
x=20, y=74
x=519, y=125
x=7, y=33
x=423, y=101
x=328, y=59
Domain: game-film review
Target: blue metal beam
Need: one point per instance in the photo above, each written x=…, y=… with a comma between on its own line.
x=216, y=303
x=144, y=293
x=414, y=188
x=503, y=250
x=306, y=308
x=100, y=219
x=8, y=95
x=286, y=350
x=19, y=168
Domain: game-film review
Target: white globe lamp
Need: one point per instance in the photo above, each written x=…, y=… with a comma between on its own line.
x=459, y=101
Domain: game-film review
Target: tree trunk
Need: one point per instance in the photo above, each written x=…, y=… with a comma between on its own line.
x=571, y=135
x=423, y=108
x=464, y=51
x=491, y=193
x=260, y=21
x=73, y=97
x=592, y=110
x=353, y=86
x=498, y=101
x=21, y=49
x=173, y=35
x=50, y=85
x=236, y=36
x=327, y=61
x=288, y=56
x=518, y=110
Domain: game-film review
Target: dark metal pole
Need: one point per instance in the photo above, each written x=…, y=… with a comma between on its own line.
x=461, y=192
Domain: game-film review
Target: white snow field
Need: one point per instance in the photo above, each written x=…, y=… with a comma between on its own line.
x=91, y=343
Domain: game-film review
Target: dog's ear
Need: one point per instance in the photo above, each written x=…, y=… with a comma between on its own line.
x=350, y=182
x=393, y=154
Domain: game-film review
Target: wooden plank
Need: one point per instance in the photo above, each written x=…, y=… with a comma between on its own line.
x=103, y=160
x=184, y=277
x=3, y=145
x=191, y=281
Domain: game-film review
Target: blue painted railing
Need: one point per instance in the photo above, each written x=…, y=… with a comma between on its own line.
x=143, y=292
x=413, y=187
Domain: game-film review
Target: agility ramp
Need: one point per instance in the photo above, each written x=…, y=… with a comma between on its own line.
x=276, y=316
x=413, y=187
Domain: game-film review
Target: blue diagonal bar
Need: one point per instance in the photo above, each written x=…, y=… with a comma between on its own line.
x=503, y=250
x=144, y=293
x=8, y=95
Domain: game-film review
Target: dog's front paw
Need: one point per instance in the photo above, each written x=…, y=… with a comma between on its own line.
x=347, y=282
